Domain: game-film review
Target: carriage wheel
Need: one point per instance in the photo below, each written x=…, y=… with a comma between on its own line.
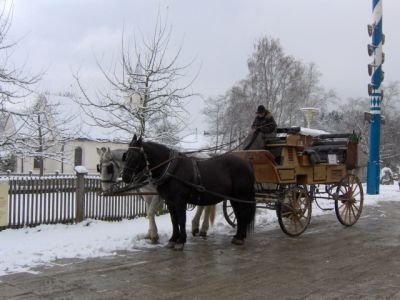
x=349, y=199
x=294, y=211
x=229, y=214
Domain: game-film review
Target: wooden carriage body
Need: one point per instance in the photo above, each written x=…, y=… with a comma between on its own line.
x=303, y=160
x=289, y=170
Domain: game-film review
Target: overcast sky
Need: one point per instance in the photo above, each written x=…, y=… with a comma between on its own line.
x=62, y=36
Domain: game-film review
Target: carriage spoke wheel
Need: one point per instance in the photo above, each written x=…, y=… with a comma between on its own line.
x=229, y=214
x=294, y=211
x=349, y=200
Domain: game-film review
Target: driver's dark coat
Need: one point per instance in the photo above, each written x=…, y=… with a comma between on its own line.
x=265, y=124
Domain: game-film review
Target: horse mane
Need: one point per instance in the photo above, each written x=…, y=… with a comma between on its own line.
x=117, y=154
x=157, y=144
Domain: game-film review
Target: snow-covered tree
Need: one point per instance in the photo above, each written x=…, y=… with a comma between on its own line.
x=43, y=132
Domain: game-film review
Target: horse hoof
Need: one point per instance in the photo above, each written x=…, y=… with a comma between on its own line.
x=236, y=241
x=179, y=247
x=154, y=240
x=195, y=232
x=203, y=234
x=170, y=245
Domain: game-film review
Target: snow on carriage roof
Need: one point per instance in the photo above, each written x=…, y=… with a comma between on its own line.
x=312, y=132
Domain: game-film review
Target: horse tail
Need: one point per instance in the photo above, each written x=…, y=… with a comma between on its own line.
x=212, y=214
x=250, y=227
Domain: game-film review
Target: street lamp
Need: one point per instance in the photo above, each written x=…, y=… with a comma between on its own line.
x=308, y=114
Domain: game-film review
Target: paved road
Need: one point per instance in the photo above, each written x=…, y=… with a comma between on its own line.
x=327, y=262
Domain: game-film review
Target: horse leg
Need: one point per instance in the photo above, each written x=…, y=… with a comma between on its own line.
x=245, y=213
x=196, y=220
x=209, y=217
x=153, y=204
x=238, y=238
x=181, y=216
x=205, y=224
x=175, y=226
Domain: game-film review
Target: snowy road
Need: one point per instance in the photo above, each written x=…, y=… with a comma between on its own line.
x=327, y=260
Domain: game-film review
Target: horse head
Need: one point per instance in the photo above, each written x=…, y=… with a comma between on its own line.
x=108, y=168
x=134, y=159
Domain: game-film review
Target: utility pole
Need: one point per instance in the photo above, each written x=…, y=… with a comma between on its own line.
x=376, y=93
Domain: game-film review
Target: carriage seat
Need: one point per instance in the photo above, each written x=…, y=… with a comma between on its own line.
x=324, y=149
x=313, y=156
x=276, y=151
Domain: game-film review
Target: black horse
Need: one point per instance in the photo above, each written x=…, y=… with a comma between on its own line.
x=179, y=180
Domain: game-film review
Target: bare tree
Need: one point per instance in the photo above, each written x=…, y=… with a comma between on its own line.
x=15, y=82
x=214, y=111
x=44, y=132
x=146, y=88
x=281, y=83
x=350, y=117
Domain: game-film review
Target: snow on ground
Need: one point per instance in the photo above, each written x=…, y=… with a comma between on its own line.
x=22, y=249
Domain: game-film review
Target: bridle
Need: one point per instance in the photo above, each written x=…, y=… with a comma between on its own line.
x=147, y=173
x=110, y=170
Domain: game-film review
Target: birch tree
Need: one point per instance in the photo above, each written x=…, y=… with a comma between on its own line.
x=281, y=83
x=214, y=111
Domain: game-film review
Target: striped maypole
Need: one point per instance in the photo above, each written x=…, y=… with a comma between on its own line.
x=376, y=94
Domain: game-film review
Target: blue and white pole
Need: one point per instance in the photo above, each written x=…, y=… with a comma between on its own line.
x=375, y=91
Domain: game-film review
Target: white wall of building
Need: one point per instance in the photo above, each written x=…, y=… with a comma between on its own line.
x=90, y=158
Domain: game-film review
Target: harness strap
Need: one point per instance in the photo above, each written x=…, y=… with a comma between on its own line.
x=196, y=171
x=202, y=189
x=127, y=188
x=172, y=163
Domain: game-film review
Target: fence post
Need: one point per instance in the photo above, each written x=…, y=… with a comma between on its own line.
x=81, y=171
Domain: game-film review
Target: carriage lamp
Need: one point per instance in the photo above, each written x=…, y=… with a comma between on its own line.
x=308, y=114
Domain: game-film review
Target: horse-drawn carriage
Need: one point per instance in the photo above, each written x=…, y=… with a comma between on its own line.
x=287, y=176
x=296, y=169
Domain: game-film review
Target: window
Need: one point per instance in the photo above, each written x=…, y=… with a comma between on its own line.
x=36, y=162
x=78, y=156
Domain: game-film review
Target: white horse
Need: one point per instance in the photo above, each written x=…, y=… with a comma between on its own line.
x=110, y=168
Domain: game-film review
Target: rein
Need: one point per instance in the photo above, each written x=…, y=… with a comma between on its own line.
x=202, y=189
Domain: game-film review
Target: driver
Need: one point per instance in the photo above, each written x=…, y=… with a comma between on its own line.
x=265, y=124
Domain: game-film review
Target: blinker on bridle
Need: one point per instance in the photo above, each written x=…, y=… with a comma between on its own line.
x=146, y=171
x=110, y=168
